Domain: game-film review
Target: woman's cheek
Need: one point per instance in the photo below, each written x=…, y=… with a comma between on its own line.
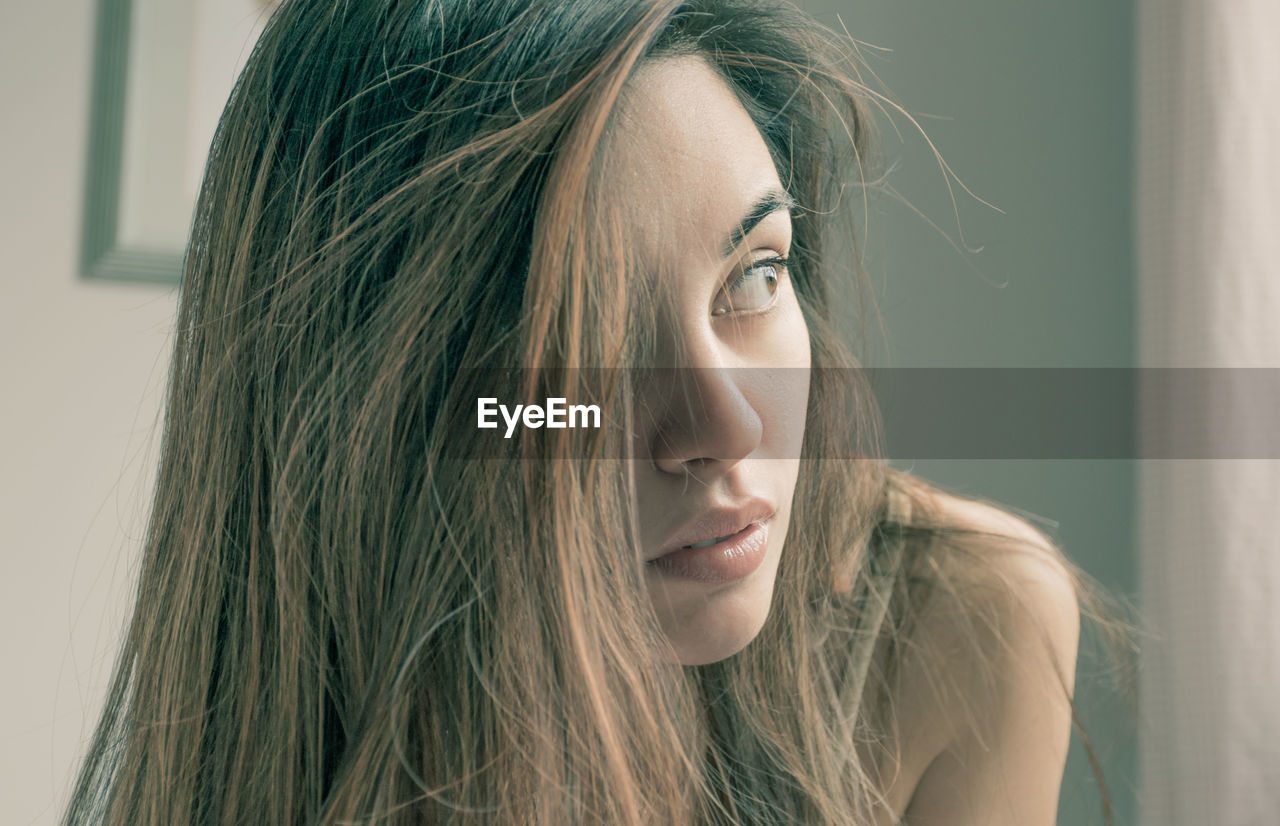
x=782, y=402
x=788, y=333
x=796, y=359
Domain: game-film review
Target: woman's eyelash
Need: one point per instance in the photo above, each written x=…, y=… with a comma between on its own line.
x=778, y=261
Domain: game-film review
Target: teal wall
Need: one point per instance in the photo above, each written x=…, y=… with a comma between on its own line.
x=1032, y=106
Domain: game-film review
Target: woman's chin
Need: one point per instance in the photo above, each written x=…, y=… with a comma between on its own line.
x=705, y=652
x=717, y=627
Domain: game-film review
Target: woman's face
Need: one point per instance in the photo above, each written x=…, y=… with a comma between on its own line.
x=718, y=437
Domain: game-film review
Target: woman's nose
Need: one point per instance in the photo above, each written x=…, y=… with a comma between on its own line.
x=701, y=420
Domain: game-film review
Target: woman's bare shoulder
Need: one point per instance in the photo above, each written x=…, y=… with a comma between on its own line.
x=1007, y=572
x=997, y=579
x=975, y=546
x=993, y=649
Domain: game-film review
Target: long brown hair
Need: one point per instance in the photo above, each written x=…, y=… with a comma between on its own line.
x=343, y=614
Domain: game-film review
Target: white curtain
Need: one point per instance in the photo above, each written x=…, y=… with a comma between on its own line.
x=1208, y=246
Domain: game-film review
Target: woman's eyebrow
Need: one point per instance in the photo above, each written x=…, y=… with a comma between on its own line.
x=768, y=203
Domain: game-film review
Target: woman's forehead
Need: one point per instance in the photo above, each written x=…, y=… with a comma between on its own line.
x=685, y=159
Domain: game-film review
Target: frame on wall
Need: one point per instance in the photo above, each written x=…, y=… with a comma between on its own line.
x=162, y=72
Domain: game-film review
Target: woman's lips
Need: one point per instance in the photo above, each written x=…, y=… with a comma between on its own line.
x=727, y=559
x=717, y=522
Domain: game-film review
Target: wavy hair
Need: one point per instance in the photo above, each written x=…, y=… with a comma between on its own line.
x=343, y=615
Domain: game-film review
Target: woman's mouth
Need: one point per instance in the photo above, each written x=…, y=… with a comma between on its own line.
x=722, y=559
x=709, y=541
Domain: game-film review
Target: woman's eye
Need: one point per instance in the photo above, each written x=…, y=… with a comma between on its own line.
x=753, y=289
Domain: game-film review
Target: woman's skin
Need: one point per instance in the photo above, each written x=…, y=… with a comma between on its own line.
x=690, y=165
x=725, y=427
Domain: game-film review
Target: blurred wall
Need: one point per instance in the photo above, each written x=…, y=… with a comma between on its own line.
x=1031, y=105
x=82, y=367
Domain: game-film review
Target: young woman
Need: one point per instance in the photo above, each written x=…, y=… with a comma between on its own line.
x=358, y=605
